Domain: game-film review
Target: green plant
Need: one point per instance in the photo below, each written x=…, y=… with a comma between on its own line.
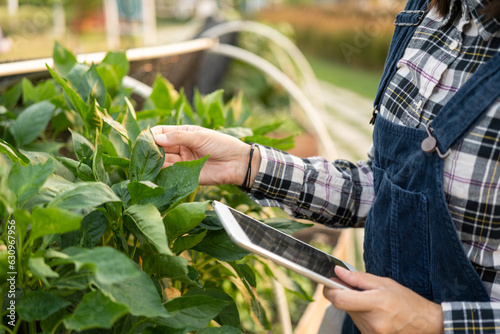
x=96, y=236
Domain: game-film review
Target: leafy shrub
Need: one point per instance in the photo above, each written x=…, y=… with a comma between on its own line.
x=96, y=236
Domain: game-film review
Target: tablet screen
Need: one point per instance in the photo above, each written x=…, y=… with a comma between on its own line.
x=287, y=247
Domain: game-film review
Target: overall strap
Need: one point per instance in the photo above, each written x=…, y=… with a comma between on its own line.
x=467, y=107
x=406, y=23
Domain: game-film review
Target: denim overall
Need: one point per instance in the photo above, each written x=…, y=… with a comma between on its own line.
x=409, y=233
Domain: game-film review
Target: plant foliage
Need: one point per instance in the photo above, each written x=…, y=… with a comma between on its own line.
x=99, y=237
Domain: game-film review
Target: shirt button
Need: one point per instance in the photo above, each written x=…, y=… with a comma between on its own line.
x=419, y=104
x=453, y=45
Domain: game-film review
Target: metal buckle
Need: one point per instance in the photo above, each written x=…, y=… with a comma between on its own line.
x=429, y=144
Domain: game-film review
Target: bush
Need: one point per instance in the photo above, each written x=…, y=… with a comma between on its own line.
x=95, y=234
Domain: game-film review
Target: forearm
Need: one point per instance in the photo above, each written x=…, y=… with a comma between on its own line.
x=333, y=193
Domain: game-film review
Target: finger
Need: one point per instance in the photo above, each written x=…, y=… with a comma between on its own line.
x=361, y=280
x=161, y=129
x=351, y=300
x=176, y=137
x=172, y=149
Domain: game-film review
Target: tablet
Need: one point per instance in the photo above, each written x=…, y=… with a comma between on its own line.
x=259, y=238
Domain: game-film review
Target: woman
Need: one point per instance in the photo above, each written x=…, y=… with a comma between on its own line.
x=429, y=194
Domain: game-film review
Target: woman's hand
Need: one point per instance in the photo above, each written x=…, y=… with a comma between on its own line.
x=228, y=160
x=384, y=306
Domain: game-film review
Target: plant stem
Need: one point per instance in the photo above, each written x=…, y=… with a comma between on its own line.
x=136, y=242
x=7, y=329
x=32, y=327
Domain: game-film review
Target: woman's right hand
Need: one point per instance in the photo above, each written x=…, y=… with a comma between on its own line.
x=228, y=156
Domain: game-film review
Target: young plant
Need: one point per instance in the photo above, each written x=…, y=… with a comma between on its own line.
x=95, y=234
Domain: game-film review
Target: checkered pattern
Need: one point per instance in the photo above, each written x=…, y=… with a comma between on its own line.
x=442, y=55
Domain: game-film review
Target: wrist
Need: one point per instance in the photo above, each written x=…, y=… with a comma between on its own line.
x=249, y=164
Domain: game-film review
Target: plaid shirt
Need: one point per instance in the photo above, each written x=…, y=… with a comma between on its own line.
x=441, y=56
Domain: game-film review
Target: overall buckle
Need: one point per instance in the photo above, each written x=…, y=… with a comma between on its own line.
x=429, y=144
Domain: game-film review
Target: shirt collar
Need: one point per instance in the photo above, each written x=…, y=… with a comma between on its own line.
x=487, y=26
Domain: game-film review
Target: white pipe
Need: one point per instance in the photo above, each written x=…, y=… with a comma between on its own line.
x=137, y=87
x=328, y=147
x=294, y=53
x=38, y=65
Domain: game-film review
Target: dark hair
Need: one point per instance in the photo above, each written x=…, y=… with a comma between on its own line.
x=492, y=9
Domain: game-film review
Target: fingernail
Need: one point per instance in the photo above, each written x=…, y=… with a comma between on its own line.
x=341, y=269
x=160, y=138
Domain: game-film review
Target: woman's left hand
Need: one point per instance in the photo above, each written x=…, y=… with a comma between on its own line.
x=384, y=306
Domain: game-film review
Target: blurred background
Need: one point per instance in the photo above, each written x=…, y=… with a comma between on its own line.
x=344, y=43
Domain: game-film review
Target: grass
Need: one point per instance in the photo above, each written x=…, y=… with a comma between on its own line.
x=361, y=81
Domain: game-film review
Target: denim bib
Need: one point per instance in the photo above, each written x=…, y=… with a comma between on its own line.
x=409, y=233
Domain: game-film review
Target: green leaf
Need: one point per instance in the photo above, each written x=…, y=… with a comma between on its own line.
x=84, y=195
x=118, y=278
x=130, y=121
x=83, y=148
x=216, y=115
x=32, y=122
x=173, y=267
x=237, y=132
x=120, y=143
x=229, y=315
x=193, y=312
x=121, y=190
x=279, y=143
x=115, y=161
x=53, y=221
x=91, y=87
x=246, y=271
x=12, y=153
x=240, y=111
x=70, y=280
x=146, y=159
x=39, y=305
x=263, y=130
x=183, y=218
x=40, y=269
x=138, y=293
x=164, y=94
x=94, y=120
x=149, y=222
x=93, y=227
x=64, y=60
x=26, y=181
x=43, y=91
x=140, y=190
x=178, y=180
x=115, y=125
x=77, y=103
x=95, y=310
x=187, y=242
x=218, y=245
x=79, y=169
x=220, y=330
x=113, y=69
x=11, y=96
x=108, y=265
x=29, y=92
x=288, y=226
